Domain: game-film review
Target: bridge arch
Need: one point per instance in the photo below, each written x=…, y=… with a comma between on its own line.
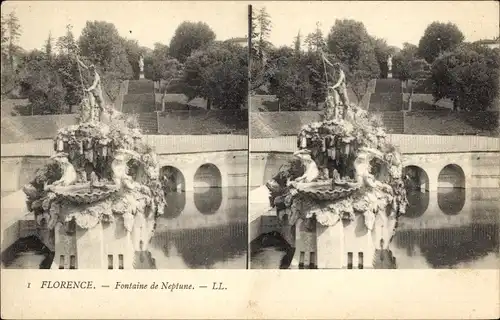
x=451, y=176
x=207, y=188
x=417, y=190
x=416, y=178
x=174, y=187
x=451, y=189
x=208, y=175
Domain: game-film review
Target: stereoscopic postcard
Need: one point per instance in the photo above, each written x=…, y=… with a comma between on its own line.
x=216, y=144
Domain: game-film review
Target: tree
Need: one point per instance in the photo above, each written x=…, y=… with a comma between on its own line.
x=218, y=74
x=382, y=53
x=103, y=46
x=297, y=43
x=438, y=38
x=67, y=43
x=134, y=52
x=14, y=32
x=189, y=37
x=299, y=82
x=67, y=69
x=262, y=73
x=261, y=30
x=10, y=52
x=48, y=46
x=5, y=40
x=158, y=65
x=350, y=43
x=477, y=85
x=402, y=61
x=315, y=40
x=467, y=77
x=43, y=85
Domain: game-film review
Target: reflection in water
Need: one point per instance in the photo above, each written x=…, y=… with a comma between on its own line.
x=222, y=244
x=446, y=248
x=208, y=200
x=451, y=200
x=474, y=244
x=176, y=201
x=202, y=247
x=418, y=203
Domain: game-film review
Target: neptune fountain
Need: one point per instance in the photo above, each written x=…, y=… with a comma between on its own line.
x=338, y=200
x=97, y=203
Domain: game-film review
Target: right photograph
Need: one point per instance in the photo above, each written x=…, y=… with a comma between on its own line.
x=374, y=136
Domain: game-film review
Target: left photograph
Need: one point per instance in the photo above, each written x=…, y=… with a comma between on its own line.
x=124, y=136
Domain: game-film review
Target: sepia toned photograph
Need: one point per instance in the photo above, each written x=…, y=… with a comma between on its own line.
x=374, y=135
x=124, y=135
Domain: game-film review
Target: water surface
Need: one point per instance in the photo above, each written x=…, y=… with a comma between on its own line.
x=449, y=233
x=203, y=229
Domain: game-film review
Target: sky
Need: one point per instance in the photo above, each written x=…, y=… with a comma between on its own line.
x=154, y=21
x=397, y=22
x=146, y=21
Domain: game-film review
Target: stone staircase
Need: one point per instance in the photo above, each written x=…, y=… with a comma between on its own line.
x=393, y=121
x=148, y=122
x=140, y=97
x=388, y=96
x=387, y=102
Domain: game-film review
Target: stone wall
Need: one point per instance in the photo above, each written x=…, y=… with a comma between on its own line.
x=231, y=164
x=17, y=171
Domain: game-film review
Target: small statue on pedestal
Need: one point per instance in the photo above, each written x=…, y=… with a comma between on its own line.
x=141, y=67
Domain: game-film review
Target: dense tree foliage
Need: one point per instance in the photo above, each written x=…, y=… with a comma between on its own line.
x=439, y=37
x=350, y=43
x=159, y=65
x=10, y=52
x=261, y=30
x=297, y=43
x=43, y=84
x=382, y=52
x=299, y=81
x=67, y=43
x=316, y=40
x=189, y=37
x=218, y=74
x=402, y=61
x=103, y=46
x=468, y=77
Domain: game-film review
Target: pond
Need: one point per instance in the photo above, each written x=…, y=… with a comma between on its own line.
x=210, y=233
x=425, y=238
x=202, y=229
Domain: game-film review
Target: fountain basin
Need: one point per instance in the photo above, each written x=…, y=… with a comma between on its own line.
x=323, y=190
x=85, y=194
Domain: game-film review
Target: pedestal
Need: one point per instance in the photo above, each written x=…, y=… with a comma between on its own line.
x=65, y=249
x=358, y=244
x=90, y=248
x=330, y=246
x=347, y=244
x=305, y=256
x=106, y=246
x=141, y=75
x=118, y=249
